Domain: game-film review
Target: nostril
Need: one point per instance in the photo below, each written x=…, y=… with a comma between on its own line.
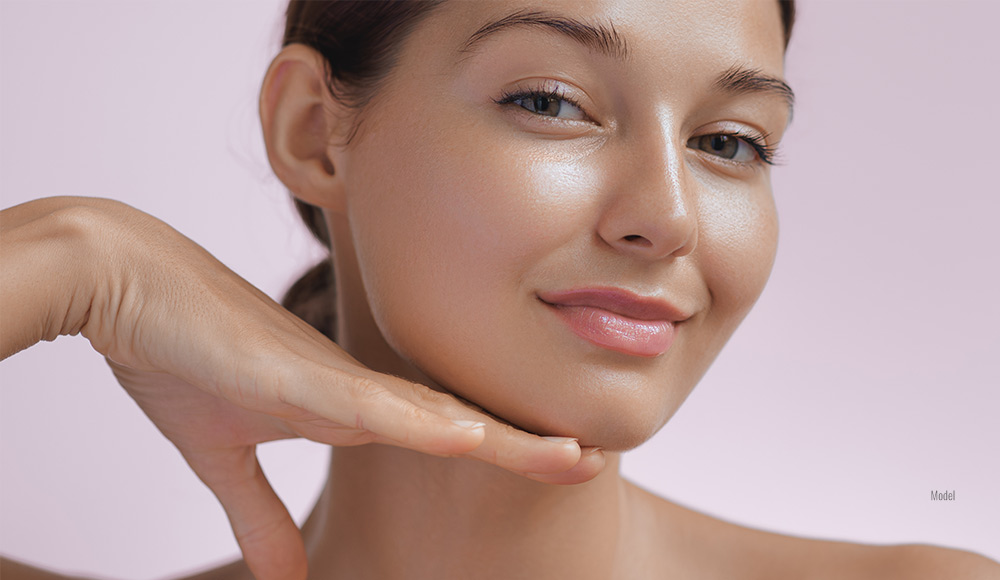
x=636, y=237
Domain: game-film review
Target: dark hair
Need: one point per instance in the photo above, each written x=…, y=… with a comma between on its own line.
x=360, y=41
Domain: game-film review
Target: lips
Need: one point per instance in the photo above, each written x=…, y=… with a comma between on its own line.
x=617, y=319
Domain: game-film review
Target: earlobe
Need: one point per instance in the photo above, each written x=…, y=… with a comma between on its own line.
x=297, y=128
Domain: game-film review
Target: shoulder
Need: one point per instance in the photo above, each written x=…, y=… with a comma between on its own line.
x=818, y=559
x=785, y=556
x=715, y=548
x=919, y=561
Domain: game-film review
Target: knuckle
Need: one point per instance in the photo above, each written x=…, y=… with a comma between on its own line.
x=505, y=431
x=428, y=395
x=364, y=390
x=368, y=398
x=274, y=366
x=284, y=385
x=82, y=221
x=413, y=415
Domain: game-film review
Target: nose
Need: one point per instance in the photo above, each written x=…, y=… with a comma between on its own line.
x=650, y=210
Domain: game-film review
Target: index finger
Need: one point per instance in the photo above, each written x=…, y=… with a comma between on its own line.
x=504, y=445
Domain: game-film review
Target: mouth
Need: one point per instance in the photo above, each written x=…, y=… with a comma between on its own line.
x=616, y=319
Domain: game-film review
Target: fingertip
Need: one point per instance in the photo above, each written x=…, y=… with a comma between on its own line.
x=561, y=454
x=592, y=461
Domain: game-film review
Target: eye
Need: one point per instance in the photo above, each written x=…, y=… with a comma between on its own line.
x=734, y=147
x=545, y=103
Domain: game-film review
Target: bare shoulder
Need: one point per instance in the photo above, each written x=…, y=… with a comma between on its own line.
x=922, y=561
x=709, y=547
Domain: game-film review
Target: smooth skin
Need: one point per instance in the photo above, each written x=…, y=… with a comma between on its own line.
x=449, y=213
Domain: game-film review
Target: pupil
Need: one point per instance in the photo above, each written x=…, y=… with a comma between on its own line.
x=542, y=104
x=724, y=145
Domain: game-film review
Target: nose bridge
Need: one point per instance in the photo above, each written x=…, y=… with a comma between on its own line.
x=651, y=211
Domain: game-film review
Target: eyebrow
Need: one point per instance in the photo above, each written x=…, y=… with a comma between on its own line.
x=739, y=80
x=600, y=37
x=604, y=39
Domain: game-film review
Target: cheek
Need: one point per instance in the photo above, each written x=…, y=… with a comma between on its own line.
x=740, y=230
x=454, y=235
x=450, y=234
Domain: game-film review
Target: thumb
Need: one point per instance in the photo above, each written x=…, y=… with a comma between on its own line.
x=268, y=537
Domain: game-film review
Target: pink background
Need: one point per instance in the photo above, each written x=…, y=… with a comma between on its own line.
x=866, y=376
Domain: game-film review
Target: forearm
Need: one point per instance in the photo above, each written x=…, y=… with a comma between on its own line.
x=46, y=280
x=13, y=570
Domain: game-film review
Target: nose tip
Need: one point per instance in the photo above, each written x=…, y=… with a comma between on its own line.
x=650, y=208
x=653, y=227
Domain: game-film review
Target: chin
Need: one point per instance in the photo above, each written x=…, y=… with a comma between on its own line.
x=609, y=401
x=614, y=419
x=613, y=427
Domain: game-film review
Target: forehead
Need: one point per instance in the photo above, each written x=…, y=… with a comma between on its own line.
x=656, y=33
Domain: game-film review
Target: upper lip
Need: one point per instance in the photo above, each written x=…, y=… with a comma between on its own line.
x=617, y=300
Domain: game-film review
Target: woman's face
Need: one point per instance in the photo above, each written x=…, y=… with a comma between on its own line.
x=490, y=182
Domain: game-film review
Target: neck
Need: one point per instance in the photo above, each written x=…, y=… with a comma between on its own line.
x=388, y=513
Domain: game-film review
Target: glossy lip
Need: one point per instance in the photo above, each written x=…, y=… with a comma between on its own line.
x=616, y=300
x=616, y=319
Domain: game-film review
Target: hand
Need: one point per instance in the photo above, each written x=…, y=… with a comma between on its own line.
x=220, y=367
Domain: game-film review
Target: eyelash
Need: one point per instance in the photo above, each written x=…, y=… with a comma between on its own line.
x=508, y=97
x=766, y=153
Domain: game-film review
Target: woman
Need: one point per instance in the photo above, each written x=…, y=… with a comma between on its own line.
x=458, y=266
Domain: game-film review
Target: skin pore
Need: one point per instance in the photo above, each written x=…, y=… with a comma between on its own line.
x=458, y=202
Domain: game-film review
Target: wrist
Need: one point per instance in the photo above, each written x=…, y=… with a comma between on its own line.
x=51, y=270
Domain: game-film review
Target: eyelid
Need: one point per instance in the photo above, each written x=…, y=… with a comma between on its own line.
x=766, y=153
x=550, y=88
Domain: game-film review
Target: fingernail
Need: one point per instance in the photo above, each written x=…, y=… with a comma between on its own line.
x=591, y=450
x=468, y=424
x=561, y=440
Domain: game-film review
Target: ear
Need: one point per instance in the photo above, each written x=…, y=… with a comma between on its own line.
x=298, y=124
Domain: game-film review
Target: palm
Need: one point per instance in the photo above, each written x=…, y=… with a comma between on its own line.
x=199, y=423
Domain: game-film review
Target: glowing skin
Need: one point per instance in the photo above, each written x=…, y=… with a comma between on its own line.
x=461, y=210
x=459, y=202
x=562, y=236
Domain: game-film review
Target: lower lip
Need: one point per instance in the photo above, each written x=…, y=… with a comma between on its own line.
x=616, y=332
